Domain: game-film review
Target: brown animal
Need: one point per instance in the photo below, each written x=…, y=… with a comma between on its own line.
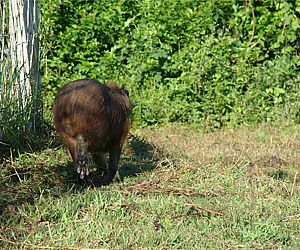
x=92, y=119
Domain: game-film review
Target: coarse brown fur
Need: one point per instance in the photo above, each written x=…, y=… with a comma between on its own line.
x=92, y=119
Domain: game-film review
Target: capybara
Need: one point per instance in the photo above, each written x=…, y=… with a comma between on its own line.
x=93, y=119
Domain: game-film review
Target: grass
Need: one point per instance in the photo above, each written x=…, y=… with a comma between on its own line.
x=180, y=189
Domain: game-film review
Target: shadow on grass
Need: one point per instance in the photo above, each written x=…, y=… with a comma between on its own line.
x=20, y=186
x=138, y=156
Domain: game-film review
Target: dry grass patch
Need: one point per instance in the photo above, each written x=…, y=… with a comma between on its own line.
x=263, y=149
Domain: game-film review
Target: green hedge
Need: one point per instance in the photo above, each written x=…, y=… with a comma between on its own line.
x=213, y=63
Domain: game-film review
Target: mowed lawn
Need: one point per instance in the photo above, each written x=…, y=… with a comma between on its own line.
x=180, y=189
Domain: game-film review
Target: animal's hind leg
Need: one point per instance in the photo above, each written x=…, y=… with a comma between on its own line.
x=82, y=163
x=78, y=151
x=100, y=160
x=71, y=144
x=114, y=156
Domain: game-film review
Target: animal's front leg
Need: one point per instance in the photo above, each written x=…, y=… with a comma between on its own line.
x=82, y=166
x=82, y=163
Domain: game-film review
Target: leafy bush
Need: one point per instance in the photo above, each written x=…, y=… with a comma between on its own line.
x=215, y=63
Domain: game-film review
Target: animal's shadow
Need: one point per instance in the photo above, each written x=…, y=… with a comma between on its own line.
x=138, y=156
x=22, y=186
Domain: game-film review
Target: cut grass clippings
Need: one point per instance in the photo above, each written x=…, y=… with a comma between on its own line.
x=180, y=189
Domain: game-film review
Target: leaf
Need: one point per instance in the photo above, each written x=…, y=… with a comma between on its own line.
x=278, y=91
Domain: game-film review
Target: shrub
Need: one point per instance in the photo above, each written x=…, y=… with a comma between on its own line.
x=215, y=63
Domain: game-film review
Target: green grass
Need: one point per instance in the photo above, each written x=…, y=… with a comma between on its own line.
x=180, y=189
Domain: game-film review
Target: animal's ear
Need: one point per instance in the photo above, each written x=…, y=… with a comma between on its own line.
x=126, y=91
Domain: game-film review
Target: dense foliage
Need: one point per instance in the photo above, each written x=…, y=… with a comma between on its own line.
x=208, y=62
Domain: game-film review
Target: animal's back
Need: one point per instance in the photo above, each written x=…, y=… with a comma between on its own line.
x=84, y=107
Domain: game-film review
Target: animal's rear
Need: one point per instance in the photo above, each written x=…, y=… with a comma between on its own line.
x=91, y=118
